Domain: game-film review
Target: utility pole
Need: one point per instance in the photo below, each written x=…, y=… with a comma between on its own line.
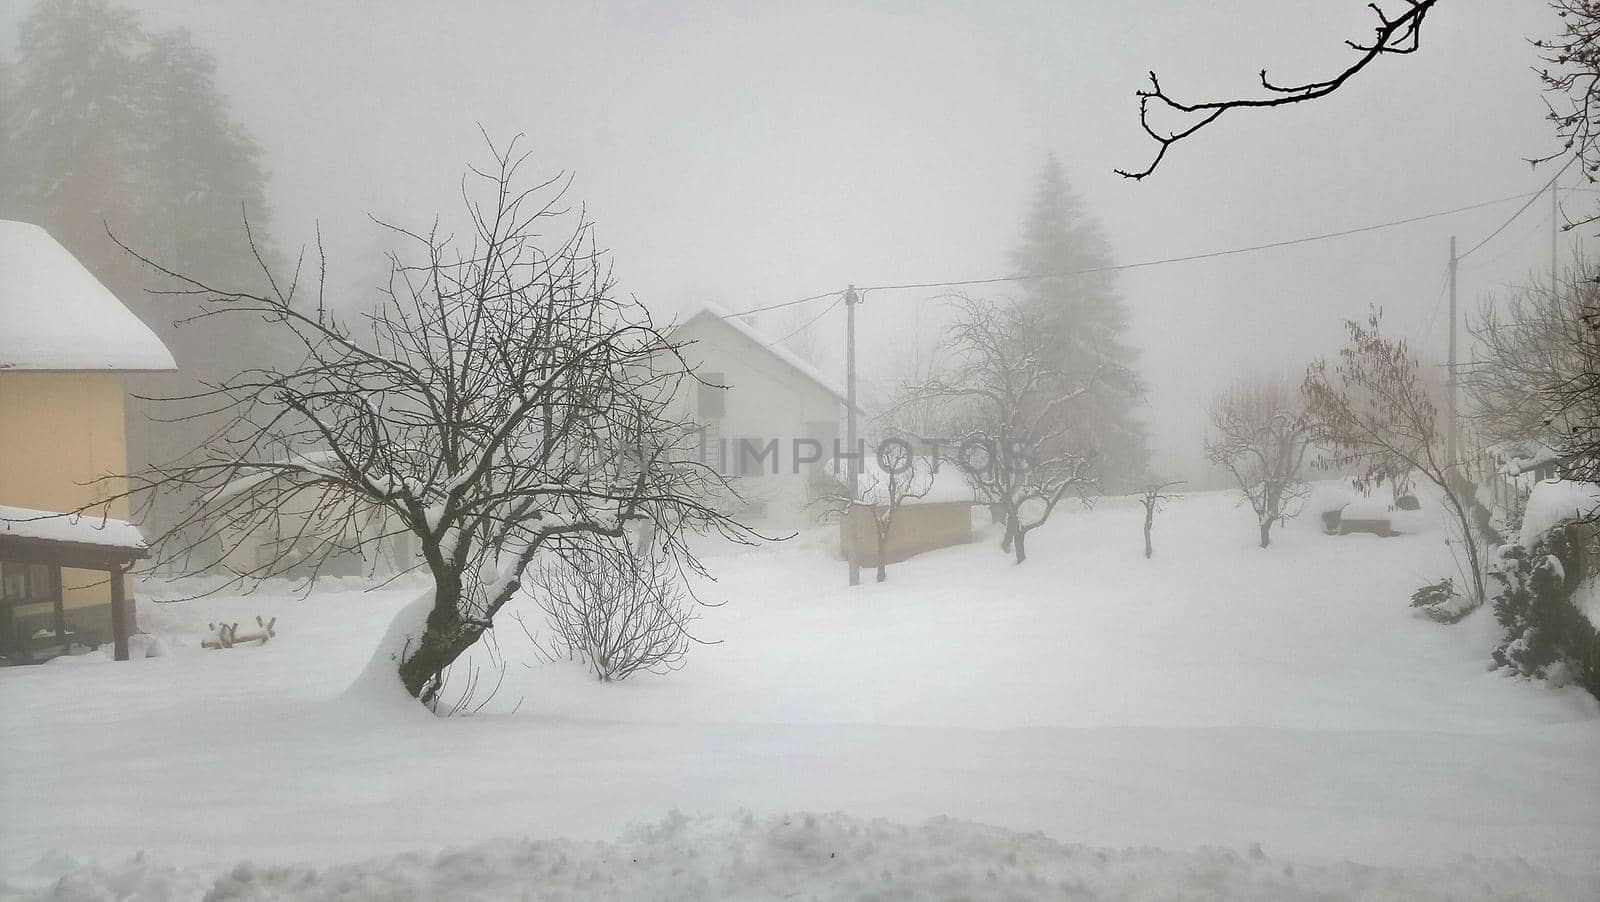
x=852, y=516
x=1555, y=231
x=1450, y=425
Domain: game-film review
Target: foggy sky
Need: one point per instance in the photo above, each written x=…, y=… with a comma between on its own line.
x=749, y=154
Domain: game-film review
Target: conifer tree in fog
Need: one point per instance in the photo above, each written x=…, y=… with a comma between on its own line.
x=1087, y=326
x=104, y=125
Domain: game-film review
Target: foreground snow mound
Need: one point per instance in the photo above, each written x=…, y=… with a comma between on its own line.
x=811, y=856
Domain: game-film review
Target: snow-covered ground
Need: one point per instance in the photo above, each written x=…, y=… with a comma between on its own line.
x=1238, y=723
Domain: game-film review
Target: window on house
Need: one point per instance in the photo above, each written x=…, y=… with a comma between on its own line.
x=713, y=397
x=25, y=583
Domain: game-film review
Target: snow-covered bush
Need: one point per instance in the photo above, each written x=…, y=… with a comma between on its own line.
x=1546, y=634
x=1441, y=602
x=619, y=611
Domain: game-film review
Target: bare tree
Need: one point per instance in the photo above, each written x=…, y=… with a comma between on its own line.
x=1396, y=33
x=900, y=476
x=499, y=402
x=1010, y=412
x=622, y=610
x=1154, y=498
x=1260, y=435
x=1372, y=411
x=1533, y=340
x=1537, y=378
x=1571, y=79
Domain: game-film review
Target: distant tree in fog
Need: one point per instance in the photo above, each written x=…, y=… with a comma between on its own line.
x=1154, y=499
x=103, y=124
x=1009, y=407
x=1260, y=434
x=1085, y=327
x=1536, y=377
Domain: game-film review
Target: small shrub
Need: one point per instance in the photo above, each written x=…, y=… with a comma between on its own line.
x=1441, y=602
x=618, y=611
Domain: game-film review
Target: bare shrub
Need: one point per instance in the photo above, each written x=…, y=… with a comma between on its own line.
x=619, y=611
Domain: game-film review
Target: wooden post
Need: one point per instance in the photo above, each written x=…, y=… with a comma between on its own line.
x=60, y=607
x=119, y=616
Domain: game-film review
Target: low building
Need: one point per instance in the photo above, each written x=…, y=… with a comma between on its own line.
x=938, y=517
x=65, y=545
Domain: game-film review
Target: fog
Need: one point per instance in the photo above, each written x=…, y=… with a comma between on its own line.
x=276, y=563
x=754, y=156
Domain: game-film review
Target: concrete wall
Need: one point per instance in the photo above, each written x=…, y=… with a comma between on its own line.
x=916, y=528
x=60, y=433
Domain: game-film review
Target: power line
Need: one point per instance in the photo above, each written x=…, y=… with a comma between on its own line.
x=815, y=297
x=1444, y=283
x=1213, y=254
x=1164, y=261
x=810, y=322
x=1520, y=209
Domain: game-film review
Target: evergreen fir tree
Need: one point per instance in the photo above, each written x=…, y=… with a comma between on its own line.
x=1088, y=324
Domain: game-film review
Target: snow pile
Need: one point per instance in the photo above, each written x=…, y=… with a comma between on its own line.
x=378, y=688
x=87, y=529
x=58, y=316
x=1553, y=502
x=819, y=856
x=1517, y=458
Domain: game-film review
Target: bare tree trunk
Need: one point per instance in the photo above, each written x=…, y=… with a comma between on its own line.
x=1266, y=533
x=883, y=552
x=445, y=639
x=1021, y=546
x=1148, y=516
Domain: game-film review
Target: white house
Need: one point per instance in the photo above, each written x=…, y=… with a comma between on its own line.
x=769, y=419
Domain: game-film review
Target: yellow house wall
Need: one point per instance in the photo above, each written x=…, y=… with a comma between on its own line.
x=59, y=434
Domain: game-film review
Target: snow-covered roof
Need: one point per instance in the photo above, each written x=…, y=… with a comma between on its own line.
x=772, y=346
x=944, y=487
x=1555, y=501
x=58, y=316
x=84, y=529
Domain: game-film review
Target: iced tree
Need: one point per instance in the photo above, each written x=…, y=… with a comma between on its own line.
x=1260, y=434
x=1009, y=408
x=500, y=402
